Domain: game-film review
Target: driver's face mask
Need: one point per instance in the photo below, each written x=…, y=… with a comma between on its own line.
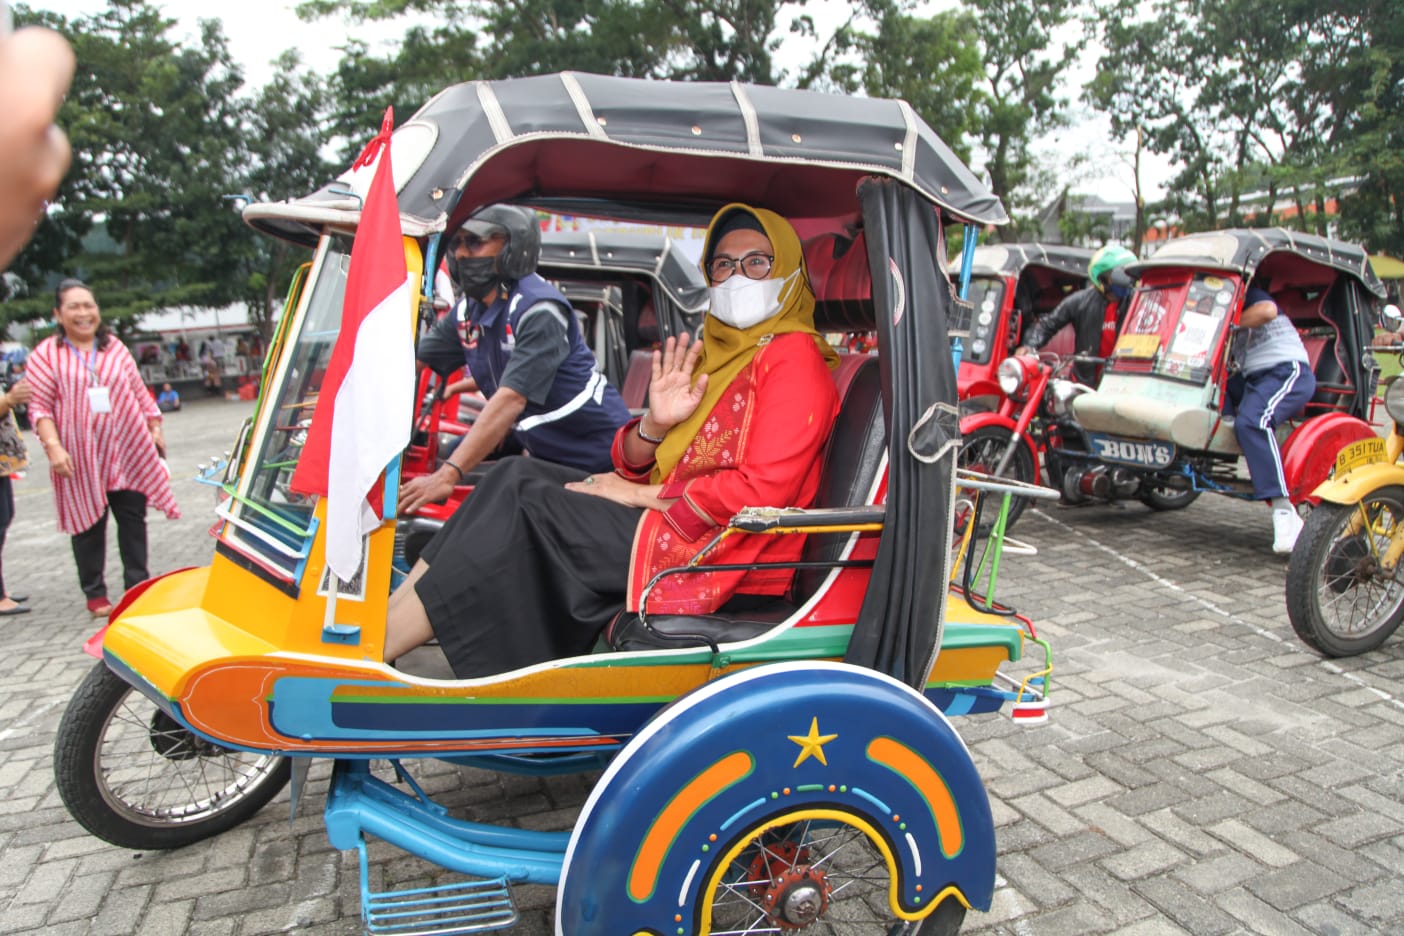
x=742, y=302
x=475, y=277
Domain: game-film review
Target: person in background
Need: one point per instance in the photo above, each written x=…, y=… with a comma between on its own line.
x=36, y=66
x=1094, y=312
x=14, y=458
x=101, y=432
x=1272, y=384
x=167, y=400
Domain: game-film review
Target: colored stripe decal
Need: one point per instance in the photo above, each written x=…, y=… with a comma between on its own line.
x=913, y=768
x=643, y=877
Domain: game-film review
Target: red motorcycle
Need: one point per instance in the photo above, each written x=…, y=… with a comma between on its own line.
x=1007, y=412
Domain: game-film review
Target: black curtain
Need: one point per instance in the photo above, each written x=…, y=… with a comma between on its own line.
x=899, y=628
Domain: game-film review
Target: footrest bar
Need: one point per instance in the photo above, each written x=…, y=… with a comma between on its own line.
x=444, y=910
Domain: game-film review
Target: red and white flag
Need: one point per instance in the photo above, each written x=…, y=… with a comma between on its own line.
x=362, y=418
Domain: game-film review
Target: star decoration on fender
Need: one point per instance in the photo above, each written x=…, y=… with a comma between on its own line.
x=812, y=744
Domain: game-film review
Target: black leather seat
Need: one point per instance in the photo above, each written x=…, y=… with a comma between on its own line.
x=848, y=478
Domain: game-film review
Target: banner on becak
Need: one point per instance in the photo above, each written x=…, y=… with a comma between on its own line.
x=360, y=423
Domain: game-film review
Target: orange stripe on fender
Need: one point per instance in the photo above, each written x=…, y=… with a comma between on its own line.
x=914, y=768
x=643, y=877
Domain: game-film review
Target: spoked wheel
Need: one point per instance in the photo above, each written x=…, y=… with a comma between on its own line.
x=1341, y=598
x=811, y=874
x=131, y=775
x=982, y=450
x=1167, y=498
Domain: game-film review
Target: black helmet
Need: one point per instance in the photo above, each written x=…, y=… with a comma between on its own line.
x=523, y=251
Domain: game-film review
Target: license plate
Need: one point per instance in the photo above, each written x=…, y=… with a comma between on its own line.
x=1143, y=453
x=1359, y=453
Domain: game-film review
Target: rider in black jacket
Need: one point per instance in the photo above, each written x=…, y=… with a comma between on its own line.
x=1086, y=311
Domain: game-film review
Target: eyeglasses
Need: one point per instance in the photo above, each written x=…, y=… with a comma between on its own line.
x=753, y=266
x=465, y=240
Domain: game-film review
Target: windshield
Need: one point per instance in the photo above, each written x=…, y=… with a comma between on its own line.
x=979, y=318
x=268, y=519
x=1175, y=326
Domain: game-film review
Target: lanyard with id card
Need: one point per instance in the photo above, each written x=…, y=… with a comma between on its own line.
x=99, y=396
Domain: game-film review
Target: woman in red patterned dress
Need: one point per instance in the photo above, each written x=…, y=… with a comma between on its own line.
x=737, y=419
x=101, y=432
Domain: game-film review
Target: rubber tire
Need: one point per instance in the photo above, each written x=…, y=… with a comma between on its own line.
x=945, y=920
x=79, y=739
x=1157, y=499
x=1304, y=570
x=1021, y=468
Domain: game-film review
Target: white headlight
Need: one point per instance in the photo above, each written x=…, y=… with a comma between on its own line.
x=1011, y=377
x=1394, y=400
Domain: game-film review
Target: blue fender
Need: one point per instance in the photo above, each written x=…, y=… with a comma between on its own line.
x=820, y=738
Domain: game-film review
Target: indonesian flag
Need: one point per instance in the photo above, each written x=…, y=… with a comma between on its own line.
x=362, y=420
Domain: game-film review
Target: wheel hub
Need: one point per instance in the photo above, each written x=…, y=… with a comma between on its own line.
x=793, y=894
x=1350, y=565
x=172, y=741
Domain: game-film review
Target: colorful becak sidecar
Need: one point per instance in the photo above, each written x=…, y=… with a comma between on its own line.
x=792, y=768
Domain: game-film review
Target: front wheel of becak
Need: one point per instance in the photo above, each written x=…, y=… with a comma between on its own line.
x=132, y=775
x=1343, y=598
x=812, y=871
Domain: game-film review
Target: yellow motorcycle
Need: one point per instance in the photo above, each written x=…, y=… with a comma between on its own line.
x=1345, y=590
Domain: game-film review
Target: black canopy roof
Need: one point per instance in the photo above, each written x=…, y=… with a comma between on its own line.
x=1011, y=258
x=1242, y=250
x=591, y=144
x=653, y=255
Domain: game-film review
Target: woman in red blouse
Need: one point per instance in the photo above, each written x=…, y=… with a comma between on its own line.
x=101, y=431
x=537, y=561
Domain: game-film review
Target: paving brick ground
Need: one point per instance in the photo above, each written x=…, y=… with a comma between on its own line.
x=1203, y=772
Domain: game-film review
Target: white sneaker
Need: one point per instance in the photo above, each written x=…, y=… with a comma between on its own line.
x=1286, y=527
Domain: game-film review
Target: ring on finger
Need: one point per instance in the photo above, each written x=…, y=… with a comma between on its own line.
x=590, y=479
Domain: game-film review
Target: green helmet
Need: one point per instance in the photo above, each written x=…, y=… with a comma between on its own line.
x=1105, y=260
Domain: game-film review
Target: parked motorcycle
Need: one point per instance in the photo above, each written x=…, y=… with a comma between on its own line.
x=1005, y=415
x=1345, y=593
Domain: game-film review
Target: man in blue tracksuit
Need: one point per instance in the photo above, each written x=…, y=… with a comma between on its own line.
x=520, y=340
x=1273, y=384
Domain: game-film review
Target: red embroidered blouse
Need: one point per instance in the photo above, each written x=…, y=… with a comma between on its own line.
x=762, y=447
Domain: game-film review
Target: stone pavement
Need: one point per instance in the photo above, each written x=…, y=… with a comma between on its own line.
x=1202, y=773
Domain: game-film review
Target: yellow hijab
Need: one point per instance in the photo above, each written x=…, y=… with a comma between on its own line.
x=727, y=350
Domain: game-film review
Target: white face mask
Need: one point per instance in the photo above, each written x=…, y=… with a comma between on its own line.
x=741, y=302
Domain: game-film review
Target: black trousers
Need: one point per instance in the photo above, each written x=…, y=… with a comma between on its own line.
x=526, y=571
x=7, y=513
x=90, y=546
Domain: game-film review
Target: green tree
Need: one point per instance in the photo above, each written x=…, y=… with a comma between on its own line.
x=1024, y=63
x=285, y=137
x=711, y=40
x=1357, y=67
x=157, y=137
x=934, y=64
